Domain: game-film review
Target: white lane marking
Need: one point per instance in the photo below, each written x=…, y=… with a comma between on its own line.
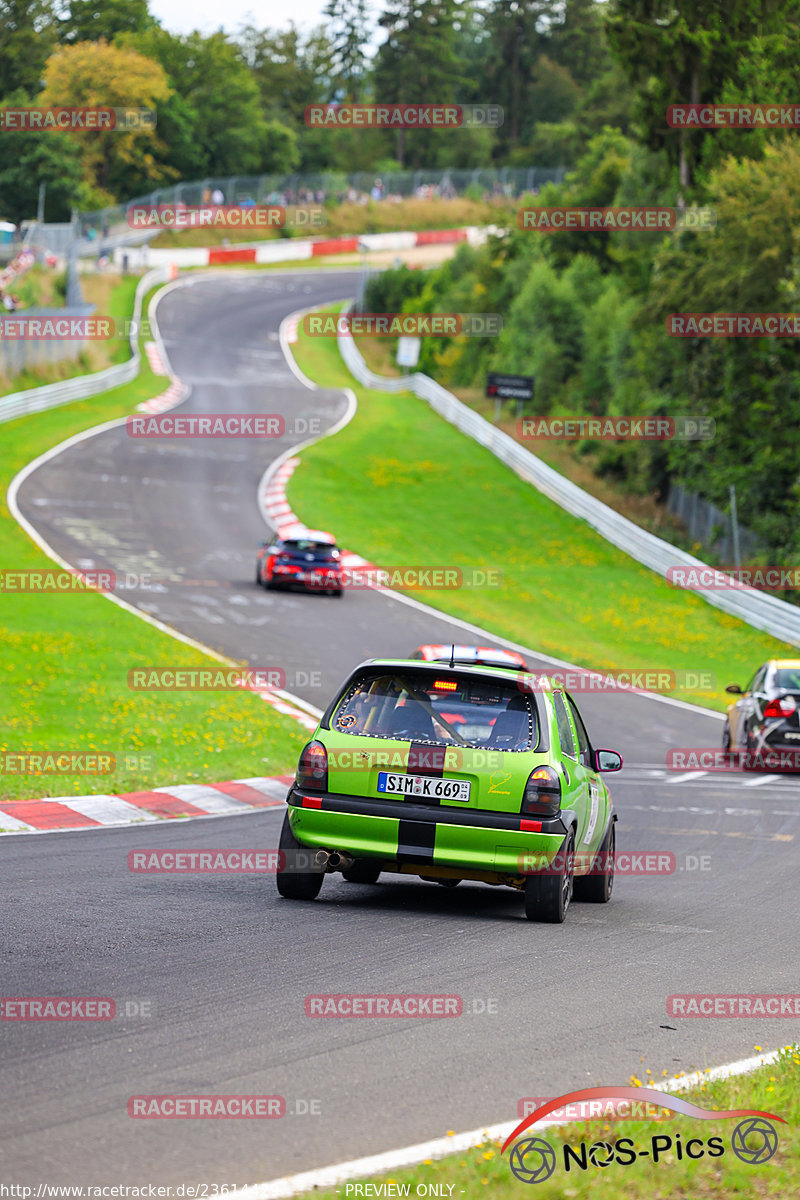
x=393, y=1160
x=106, y=810
x=689, y=775
x=760, y=782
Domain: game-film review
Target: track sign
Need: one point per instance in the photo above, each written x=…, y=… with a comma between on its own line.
x=408, y=351
x=509, y=387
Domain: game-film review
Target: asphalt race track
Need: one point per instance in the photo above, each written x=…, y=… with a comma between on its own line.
x=225, y=964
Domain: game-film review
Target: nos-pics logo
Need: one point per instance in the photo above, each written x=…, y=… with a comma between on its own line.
x=754, y=1139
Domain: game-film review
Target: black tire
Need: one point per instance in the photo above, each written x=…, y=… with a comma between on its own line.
x=259, y=580
x=300, y=878
x=337, y=592
x=726, y=737
x=362, y=871
x=548, y=894
x=596, y=889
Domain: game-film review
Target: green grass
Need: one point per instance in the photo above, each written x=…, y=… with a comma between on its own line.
x=483, y=1171
x=66, y=659
x=401, y=486
x=112, y=296
x=350, y=220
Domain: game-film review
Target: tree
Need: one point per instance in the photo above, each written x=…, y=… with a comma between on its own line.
x=26, y=160
x=26, y=40
x=349, y=32
x=291, y=71
x=517, y=36
x=94, y=74
x=212, y=78
x=418, y=63
x=690, y=51
x=102, y=20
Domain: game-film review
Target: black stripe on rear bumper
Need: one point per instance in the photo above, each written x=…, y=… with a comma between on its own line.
x=401, y=810
x=415, y=841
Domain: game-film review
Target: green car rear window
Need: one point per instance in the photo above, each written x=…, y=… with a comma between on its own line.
x=445, y=711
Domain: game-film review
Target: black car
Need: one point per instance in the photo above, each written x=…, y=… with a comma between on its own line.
x=307, y=559
x=767, y=714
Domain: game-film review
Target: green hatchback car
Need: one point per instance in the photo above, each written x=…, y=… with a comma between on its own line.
x=451, y=773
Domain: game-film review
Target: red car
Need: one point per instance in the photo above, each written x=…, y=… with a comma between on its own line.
x=302, y=558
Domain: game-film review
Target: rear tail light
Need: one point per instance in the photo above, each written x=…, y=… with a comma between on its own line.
x=312, y=769
x=542, y=792
x=783, y=707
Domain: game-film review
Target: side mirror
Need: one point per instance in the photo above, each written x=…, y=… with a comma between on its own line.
x=734, y=689
x=607, y=760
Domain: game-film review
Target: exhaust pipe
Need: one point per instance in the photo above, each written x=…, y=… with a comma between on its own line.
x=333, y=860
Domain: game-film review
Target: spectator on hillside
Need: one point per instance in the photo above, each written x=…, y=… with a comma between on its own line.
x=217, y=196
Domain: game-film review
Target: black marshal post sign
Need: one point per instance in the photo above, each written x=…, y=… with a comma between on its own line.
x=509, y=387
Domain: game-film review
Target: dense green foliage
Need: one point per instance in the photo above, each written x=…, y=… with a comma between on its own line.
x=585, y=313
x=235, y=104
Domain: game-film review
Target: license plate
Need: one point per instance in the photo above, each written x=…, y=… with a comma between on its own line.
x=423, y=785
x=792, y=736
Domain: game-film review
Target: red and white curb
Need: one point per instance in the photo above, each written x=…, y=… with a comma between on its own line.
x=279, y=513
x=154, y=358
x=294, y=249
x=175, y=394
x=181, y=801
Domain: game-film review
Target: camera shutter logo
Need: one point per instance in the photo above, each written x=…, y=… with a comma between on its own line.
x=538, y=1150
x=752, y=1128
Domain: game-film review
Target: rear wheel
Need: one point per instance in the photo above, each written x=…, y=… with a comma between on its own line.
x=548, y=893
x=597, y=888
x=299, y=878
x=726, y=737
x=362, y=871
x=259, y=580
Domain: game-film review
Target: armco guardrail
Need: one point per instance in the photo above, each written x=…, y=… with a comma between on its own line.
x=758, y=609
x=51, y=395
